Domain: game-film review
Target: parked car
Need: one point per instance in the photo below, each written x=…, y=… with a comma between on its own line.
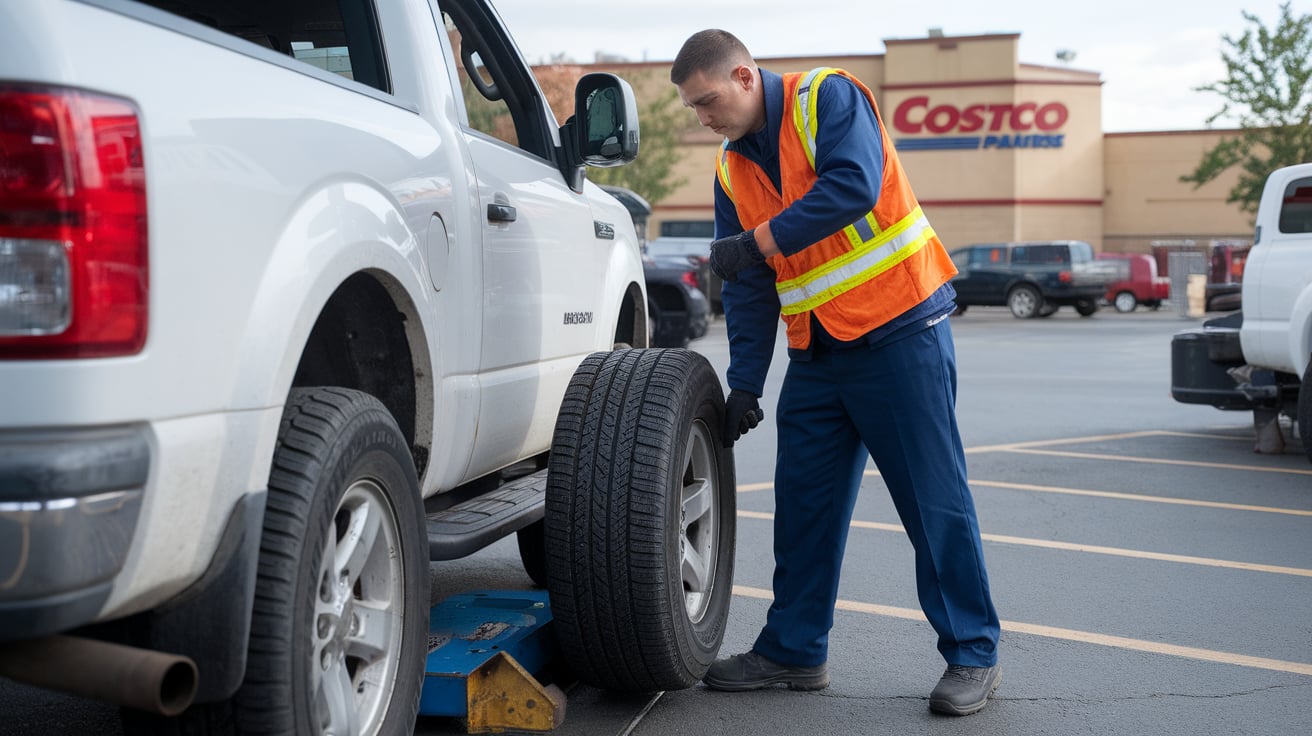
x=698, y=251
x=1140, y=283
x=677, y=309
x=1033, y=279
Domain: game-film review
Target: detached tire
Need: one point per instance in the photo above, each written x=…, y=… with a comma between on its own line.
x=340, y=625
x=640, y=520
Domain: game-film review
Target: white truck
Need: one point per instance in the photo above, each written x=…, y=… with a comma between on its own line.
x=1258, y=359
x=295, y=297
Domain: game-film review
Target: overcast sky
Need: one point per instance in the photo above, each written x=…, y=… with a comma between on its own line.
x=1151, y=53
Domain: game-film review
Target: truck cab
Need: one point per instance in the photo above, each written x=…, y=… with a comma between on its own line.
x=1258, y=359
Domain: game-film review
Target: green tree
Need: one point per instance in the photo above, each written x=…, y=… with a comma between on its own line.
x=1268, y=91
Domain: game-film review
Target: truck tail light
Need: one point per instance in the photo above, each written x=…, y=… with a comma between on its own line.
x=73, y=256
x=1065, y=277
x=690, y=278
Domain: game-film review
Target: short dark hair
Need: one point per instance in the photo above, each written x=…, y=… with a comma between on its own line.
x=711, y=50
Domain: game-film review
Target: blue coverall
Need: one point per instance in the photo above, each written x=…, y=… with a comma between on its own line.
x=889, y=395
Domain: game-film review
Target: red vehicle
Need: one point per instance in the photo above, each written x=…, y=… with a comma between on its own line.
x=1141, y=284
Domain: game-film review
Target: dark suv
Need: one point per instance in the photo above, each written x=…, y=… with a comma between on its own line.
x=1033, y=279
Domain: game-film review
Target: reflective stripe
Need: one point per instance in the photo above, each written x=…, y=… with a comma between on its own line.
x=723, y=168
x=842, y=274
x=804, y=112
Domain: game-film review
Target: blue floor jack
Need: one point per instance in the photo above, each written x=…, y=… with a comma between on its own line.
x=484, y=650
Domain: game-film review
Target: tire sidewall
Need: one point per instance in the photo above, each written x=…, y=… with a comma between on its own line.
x=367, y=445
x=701, y=640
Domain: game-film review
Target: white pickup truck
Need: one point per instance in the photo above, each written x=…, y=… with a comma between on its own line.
x=1258, y=358
x=295, y=296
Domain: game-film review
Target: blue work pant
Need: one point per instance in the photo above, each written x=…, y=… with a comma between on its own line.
x=895, y=403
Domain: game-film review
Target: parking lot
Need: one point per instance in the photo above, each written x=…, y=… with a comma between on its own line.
x=1153, y=574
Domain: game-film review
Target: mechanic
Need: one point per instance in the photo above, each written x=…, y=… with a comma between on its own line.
x=815, y=221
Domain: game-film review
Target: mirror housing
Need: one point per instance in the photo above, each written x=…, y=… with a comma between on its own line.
x=605, y=122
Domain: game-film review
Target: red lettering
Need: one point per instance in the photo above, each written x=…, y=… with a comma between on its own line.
x=1016, y=122
x=1051, y=116
x=971, y=120
x=999, y=114
x=914, y=115
x=942, y=119
x=902, y=116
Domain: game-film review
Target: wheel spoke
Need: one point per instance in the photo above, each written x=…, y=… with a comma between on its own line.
x=336, y=698
x=357, y=543
x=698, y=498
x=695, y=569
x=371, y=632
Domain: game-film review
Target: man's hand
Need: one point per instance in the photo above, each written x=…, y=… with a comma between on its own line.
x=734, y=253
x=742, y=412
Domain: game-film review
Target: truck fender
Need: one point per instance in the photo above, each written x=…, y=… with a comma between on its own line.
x=1300, y=331
x=341, y=229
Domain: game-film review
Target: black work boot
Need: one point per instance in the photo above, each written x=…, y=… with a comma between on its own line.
x=751, y=671
x=964, y=690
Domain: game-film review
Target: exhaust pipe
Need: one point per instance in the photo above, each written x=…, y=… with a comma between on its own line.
x=143, y=679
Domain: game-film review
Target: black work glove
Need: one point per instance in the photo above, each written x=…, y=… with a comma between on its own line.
x=741, y=412
x=734, y=253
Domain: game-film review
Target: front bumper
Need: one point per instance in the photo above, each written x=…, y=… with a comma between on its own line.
x=69, y=503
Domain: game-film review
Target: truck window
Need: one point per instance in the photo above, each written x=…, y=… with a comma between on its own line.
x=1296, y=207
x=338, y=36
x=501, y=96
x=688, y=228
x=988, y=256
x=1080, y=252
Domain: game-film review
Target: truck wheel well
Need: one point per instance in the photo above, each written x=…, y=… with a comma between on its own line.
x=359, y=342
x=632, y=322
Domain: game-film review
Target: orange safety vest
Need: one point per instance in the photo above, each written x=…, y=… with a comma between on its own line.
x=861, y=276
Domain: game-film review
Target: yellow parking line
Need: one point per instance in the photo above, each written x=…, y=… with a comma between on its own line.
x=1085, y=637
x=1089, y=548
x=1136, y=497
x=1155, y=460
x=1207, y=435
x=1064, y=441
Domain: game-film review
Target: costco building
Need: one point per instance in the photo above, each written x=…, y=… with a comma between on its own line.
x=998, y=150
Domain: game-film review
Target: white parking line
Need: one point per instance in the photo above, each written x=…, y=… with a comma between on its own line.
x=1089, y=548
x=1086, y=637
x=1137, y=497
x=1155, y=461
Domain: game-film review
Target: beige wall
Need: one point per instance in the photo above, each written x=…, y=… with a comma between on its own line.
x=1118, y=191
x=1146, y=201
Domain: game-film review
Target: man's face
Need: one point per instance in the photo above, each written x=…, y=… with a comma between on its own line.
x=729, y=104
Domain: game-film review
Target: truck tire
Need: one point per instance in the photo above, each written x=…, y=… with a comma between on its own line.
x=1024, y=301
x=533, y=552
x=1124, y=301
x=1086, y=307
x=640, y=520
x=1305, y=411
x=340, y=620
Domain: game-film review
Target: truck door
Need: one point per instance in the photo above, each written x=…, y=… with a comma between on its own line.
x=1283, y=248
x=542, y=263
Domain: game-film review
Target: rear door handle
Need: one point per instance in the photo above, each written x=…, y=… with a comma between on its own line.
x=497, y=212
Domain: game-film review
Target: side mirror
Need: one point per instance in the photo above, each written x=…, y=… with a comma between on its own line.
x=605, y=120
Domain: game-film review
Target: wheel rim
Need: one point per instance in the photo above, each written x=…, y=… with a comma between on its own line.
x=358, y=614
x=699, y=514
x=1023, y=302
x=1125, y=302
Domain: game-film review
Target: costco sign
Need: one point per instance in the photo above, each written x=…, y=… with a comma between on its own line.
x=994, y=124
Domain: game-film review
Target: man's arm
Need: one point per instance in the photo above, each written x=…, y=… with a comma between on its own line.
x=849, y=162
x=751, y=310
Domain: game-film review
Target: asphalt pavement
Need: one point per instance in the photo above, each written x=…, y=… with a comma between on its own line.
x=1153, y=574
